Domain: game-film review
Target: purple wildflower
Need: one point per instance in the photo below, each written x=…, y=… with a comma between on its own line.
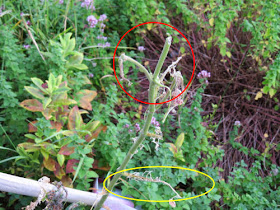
x=107, y=44
x=154, y=122
x=237, y=123
x=129, y=130
x=102, y=25
x=204, y=74
x=137, y=127
x=88, y=4
x=102, y=37
x=141, y=48
x=126, y=125
x=94, y=64
x=26, y=46
x=92, y=21
x=90, y=75
x=102, y=17
x=60, y=2
x=28, y=23
x=21, y=14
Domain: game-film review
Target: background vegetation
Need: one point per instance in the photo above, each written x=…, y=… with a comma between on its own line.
x=63, y=115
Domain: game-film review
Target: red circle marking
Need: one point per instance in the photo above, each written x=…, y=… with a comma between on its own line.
x=115, y=69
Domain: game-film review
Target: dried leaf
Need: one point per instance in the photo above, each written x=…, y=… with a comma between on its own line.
x=66, y=181
x=259, y=95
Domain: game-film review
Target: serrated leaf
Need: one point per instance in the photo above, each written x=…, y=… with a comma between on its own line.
x=60, y=158
x=34, y=92
x=92, y=174
x=32, y=105
x=49, y=164
x=180, y=140
x=211, y=21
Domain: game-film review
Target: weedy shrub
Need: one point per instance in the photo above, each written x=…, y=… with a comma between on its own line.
x=61, y=139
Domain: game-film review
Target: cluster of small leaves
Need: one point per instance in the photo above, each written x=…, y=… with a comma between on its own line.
x=246, y=188
x=51, y=140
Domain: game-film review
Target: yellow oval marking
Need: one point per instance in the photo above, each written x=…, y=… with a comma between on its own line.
x=183, y=199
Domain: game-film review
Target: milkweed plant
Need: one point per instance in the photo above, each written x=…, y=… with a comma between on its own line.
x=159, y=91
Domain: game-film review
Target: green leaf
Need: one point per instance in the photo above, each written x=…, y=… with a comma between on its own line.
x=60, y=159
x=30, y=136
x=61, y=90
x=12, y=158
x=46, y=102
x=49, y=164
x=272, y=92
x=180, y=140
x=51, y=83
x=77, y=66
x=39, y=83
x=44, y=153
x=34, y=91
x=92, y=174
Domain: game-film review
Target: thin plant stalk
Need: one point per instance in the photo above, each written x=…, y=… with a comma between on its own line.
x=153, y=91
